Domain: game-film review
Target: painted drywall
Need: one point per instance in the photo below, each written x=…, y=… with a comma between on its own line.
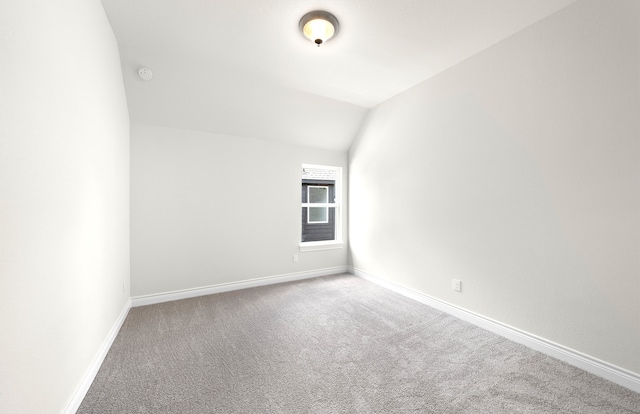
x=209, y=209
x=518, y=172
x=64, y=198
x=186, y=93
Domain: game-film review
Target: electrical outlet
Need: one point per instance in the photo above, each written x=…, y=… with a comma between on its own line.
x=457, y=285
x=295, y=258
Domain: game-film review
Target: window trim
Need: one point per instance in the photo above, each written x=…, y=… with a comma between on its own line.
x=337, y=242
x=315, y=246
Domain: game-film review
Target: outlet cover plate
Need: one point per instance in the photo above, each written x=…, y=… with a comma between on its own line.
x=457, y=285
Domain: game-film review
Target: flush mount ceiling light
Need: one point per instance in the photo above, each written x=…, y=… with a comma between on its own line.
x=319, y=26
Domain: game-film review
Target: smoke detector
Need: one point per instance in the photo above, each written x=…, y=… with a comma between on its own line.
x=145, y=74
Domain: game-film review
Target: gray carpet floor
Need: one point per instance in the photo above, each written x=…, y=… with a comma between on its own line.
x=335, y=344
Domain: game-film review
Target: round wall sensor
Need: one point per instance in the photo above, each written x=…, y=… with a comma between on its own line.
x=145, y=74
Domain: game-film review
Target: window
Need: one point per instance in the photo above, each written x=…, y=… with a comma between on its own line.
x=317, y=195
x=320, y=201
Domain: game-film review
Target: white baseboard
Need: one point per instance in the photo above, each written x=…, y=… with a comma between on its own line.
x=620, y=376
x=92, y=371
x=227, y=287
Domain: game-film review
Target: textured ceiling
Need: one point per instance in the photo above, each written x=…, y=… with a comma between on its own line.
x=241, y=67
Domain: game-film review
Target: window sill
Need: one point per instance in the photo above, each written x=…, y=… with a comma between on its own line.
x=321, y=245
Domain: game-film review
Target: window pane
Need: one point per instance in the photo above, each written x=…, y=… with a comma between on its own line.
x=318, y=194
x=318, y=214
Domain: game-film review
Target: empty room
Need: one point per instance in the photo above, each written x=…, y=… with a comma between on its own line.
x=278, y=206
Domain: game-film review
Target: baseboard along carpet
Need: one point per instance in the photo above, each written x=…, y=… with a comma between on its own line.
x=334, y=344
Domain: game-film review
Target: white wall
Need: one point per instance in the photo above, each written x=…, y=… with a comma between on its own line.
x=185, y=94
x=518, y=172
x=208, y=209
x=64, y=198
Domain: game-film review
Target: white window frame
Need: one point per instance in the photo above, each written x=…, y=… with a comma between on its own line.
x=336, y=243
x=311, y=205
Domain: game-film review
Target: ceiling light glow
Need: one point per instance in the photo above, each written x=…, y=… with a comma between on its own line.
x=319, y=26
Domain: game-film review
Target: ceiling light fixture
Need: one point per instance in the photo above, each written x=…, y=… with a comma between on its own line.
x=319, y=26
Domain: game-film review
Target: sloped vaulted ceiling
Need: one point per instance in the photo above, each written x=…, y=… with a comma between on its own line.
x=240, y=67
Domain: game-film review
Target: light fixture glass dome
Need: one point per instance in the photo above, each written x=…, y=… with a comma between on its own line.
x=319, y=26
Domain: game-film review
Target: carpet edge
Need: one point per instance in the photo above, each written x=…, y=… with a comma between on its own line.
x=152, y=299
x=91, y=372
x=602, y=369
